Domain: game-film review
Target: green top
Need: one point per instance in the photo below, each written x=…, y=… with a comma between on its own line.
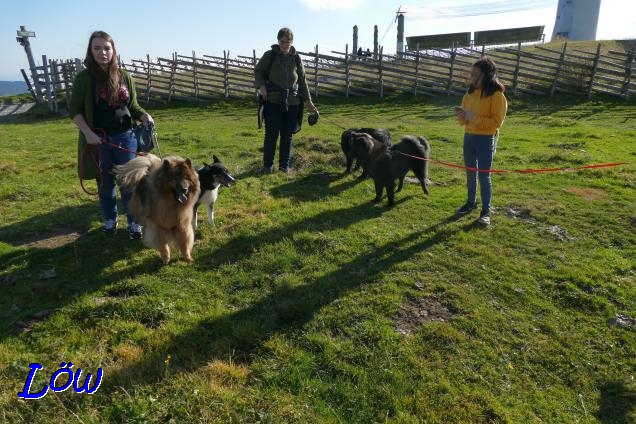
x=285, y=71
x=83, y=102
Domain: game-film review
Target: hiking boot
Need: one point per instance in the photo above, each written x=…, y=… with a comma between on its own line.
x=267, y=170
x=110, y=227
x=484, y=218
x=467, y=207
x=134, y=231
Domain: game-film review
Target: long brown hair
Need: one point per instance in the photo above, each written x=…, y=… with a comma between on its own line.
x=110, y=79
x=490, y=82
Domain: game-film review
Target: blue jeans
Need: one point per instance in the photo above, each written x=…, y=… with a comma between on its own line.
x=478, y=153
x=109, y=156
x=279, y=122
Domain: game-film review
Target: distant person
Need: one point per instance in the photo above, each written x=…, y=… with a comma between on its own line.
x=482, y=112
x=360, y=54
x=280, y=79
x=103, y=106
x=368, y=53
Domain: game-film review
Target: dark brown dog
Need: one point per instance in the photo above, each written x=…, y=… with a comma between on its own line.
x=387, y=164
x=347, y=141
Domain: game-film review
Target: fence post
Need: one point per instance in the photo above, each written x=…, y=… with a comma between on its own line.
x=594, y=69
x=54, y=83
x=451, y=70
x=417, y=69
x=381, y=78
x=148, y=79
x=515, y=81
x=173, y=70
x=29, y=86
x=195, y=77
x=347, y=71
x=557, y=74
x=226, y=67
x=47, y=82
x=316, y=71
x=629, y=64
x=253, y=67
x=68, y=81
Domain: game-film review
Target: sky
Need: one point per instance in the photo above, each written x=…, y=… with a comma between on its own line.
x=161, y=27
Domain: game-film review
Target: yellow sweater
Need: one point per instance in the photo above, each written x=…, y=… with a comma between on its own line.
x=489, y=112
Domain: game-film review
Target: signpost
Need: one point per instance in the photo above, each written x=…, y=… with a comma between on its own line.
x=23, y=39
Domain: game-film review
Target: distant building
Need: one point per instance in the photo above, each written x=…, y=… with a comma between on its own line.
x=576, y=19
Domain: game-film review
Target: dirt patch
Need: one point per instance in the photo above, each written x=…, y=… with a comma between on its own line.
x=590, y=194
x=417, y=311
x=525, y=215
x=624, y=321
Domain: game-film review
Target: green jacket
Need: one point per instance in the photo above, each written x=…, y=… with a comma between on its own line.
x=284, y=71
x=82, y=102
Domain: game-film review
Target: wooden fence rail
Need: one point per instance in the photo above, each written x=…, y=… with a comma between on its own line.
x=537, y=70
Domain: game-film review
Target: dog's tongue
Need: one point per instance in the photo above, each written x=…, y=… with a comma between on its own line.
x=183, y=197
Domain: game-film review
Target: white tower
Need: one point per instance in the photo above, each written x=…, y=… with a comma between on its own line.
x=576, y=19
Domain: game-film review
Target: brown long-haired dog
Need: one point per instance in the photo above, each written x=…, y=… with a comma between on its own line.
x=164, y=194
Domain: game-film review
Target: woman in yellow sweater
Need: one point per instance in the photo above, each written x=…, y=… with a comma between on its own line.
x=482, y=113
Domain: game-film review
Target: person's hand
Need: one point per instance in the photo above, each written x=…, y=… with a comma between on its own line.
x=147, y=119
x=312, y=107
x=93, y=139
x=262, y=90
x=461, y=113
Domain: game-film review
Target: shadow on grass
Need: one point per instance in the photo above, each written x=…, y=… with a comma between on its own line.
x=242, y=333
x=37, y=279
x=618, y=403
x=314, y=186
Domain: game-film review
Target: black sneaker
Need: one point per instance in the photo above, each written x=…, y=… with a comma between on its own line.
x=283, y=170
x=267, y=170
x=462, y=210
x=134, y=231
x=110, y=227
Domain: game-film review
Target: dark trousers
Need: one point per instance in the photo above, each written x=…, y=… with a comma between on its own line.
x=279, y=122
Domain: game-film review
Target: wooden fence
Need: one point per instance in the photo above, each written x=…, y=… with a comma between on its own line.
x=537, y=70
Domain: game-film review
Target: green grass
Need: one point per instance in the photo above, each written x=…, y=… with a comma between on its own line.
x=307, y=303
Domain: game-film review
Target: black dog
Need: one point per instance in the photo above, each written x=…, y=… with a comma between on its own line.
x=347, y=141
x=387, y=164
x=210, y=178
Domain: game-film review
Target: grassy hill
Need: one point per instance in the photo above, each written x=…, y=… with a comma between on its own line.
x=307, y=303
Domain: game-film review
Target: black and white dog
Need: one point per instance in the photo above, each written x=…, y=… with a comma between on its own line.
x=211, y=177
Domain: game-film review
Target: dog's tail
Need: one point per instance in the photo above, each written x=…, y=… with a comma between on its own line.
x=133, y=171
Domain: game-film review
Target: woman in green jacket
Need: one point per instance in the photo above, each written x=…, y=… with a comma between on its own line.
x=280, y=79
x=103, y=106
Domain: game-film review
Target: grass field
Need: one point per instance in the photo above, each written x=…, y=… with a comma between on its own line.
x=308, y=303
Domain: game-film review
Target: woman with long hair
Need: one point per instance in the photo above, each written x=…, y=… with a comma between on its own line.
x=103, y=107
x=482, y=112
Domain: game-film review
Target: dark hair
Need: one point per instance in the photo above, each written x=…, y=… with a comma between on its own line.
x=490, y=82
x=285, y=32
x=110, y=78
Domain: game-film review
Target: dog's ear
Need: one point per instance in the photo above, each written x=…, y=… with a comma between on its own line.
x=188, y=162
x=216, y=160
x=166, y=164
